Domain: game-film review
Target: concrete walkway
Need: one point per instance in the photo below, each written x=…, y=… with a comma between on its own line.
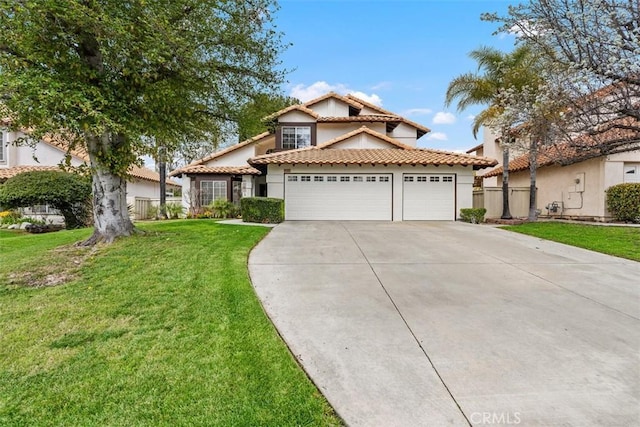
x=432, y=324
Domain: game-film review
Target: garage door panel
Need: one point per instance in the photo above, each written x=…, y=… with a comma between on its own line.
x=338, y=197
x=428, y=197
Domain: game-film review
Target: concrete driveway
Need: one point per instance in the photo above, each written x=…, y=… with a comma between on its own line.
x=440, y=323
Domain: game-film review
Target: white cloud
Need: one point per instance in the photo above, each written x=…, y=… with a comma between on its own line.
x=437, y=136
x=372, y=99
x=416, y=112
x=470, y=117
x=381, y=85
x=442, y=118
x=319, y=88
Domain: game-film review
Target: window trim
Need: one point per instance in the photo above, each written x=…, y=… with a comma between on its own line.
x=213, y=191
x=281, y=126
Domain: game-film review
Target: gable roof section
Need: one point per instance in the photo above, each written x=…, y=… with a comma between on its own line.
x=228, y=150
x=422, y=130
x=298, y=107
x=368, y=131
x=224, y=170
x=356, y=103
x=372, y=156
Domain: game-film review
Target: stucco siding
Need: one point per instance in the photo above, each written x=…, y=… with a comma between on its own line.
x=329, y=131
x=331, y=108
x=405, y=133
x=585, y=198
x=237, y=157
x=141, y=188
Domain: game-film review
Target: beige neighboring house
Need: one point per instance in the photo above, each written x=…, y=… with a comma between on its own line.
x=338, y=158
x=50, y=152
x=576, y=190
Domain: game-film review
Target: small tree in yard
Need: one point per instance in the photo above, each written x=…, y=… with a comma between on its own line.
x=112, y=76
x=67, y=192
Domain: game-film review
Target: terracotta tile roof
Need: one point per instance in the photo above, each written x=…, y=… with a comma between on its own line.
x=381, y=156
x=148, y=175
x=422, y=130
x=384, y=118
x=474, y=149
x=354, y=102
x=229, y=149
x=368, y=131
x=6, y=173
x=298, y=107
x=225, y=170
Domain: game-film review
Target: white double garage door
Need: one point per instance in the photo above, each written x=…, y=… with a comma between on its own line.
x=368, y=196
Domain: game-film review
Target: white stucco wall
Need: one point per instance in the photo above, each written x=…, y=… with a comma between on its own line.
x=464, y=180
x=405, y=133
x=328, y=131
x=143, y=188
x=42, y=155
x=237, y=157
x=331, y=107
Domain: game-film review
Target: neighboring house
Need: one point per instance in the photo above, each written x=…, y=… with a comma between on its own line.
x=338, y=158
x=575, y=189
x=50, y=152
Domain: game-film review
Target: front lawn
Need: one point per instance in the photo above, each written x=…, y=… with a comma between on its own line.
x=161, y=329
x=622, y=242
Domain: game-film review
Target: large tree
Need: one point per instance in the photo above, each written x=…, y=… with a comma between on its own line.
x=113, y=75
x=595, y=45
x=498, y=74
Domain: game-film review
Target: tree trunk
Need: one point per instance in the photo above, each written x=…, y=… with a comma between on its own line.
x=110, y=213
x=162, y=170
x=533, y=167
x=506, y=214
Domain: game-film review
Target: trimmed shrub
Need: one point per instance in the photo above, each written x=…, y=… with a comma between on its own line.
x=264, y=210
x=473, y=215
x=222, y=208
x=623, y=201
x=67, y=192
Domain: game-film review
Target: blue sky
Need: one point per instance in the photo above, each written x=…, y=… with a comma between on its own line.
x=400, y=54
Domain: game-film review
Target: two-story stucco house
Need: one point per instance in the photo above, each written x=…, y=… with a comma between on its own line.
x=338, y=158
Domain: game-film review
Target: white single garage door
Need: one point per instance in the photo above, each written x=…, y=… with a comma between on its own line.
x=428, y=197
x=338, y=196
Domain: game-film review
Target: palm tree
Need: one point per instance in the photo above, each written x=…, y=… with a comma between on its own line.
x=497, y=73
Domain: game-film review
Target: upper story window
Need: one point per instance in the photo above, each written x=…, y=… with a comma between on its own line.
x=296, y=137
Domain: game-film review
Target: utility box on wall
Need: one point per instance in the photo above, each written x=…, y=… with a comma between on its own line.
x=579, y=182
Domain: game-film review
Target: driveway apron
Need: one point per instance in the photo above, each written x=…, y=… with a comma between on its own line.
x=441, y=323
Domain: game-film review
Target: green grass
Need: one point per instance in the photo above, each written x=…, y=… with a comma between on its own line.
x=622, y=242
x=160, y=329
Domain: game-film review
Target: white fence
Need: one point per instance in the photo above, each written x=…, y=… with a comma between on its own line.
x=143, y=206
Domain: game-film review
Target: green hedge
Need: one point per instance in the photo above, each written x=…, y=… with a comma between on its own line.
x=264, y=210
x=623, y=201
x=473, y=215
